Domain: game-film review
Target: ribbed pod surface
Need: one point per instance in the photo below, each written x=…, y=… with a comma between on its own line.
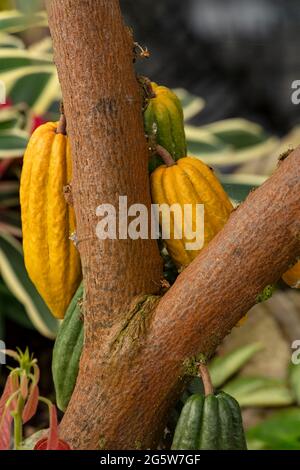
x=163, y=119
x=213, y=422
x=51, y=258
x=190, y=181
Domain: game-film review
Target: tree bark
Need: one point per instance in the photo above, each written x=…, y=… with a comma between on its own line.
x=103, y=107
x=132, y=369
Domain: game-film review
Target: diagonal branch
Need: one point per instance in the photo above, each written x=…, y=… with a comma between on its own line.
x=140, y=383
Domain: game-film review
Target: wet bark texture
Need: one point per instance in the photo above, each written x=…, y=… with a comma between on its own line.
x=135, y=360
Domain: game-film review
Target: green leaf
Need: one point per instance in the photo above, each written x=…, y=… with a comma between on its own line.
x=12, y=309
x=191, y=104
x=14, y=21
x=13, y=143
x=13, y=271
x=20, y=68
x=8, y=40
x=258, y=151
x=11, y=223
x=294, y=379
x=259, y=392
x=202, y=143
x=44, y=46
x=28, y=6
x=205, y=146
x=238, y=133
x=46, y=88
x=223, y=367
x=9, y=194
x=238, y=140
x=200, y=148
x=39, y=97
x=239, y=186
x=280, y=432
x=10, y=118
x=11, y=59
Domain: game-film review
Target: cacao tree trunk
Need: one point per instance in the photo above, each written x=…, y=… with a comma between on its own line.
x=133, y=366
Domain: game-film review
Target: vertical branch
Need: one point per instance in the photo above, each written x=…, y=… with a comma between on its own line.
x=102, y=103
x=93, y=53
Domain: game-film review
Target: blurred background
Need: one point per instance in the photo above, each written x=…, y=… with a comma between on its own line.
x=241, y=56
x=233, y=65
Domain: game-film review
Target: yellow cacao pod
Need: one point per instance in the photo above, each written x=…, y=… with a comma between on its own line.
x=292, y=276
x=51, y=259
x=190, y=181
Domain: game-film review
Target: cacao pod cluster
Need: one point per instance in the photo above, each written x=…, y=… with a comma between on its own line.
x=182, y=180
x=51, y=258
x=189, y=180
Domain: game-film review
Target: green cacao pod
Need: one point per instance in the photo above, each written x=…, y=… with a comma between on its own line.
x=164, y=123
x=210, y=422
x=67, y=351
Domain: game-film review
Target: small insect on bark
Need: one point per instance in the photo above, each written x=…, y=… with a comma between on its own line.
x=140, y=52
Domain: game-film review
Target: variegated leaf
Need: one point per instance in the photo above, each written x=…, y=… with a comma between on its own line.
x=46, y=90
x=192, y=105
x=13, y=271
x=13, y=143
x=13, y=21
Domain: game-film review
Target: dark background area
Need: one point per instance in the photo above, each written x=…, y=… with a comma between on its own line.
x=241, y=56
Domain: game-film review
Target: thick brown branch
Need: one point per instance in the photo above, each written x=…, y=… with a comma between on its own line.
x=121, y=400
x=103, y=107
